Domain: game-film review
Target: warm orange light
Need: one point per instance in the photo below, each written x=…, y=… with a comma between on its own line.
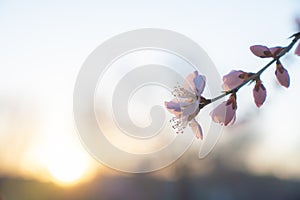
x=65, y=160
x=67, y=168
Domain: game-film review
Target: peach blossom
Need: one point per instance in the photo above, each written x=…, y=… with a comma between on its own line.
x=233, y=79
x=259, y=93
x=282, y=75
x=185, y=105
x=225, y=113
x=265, y=52
x=297, y=51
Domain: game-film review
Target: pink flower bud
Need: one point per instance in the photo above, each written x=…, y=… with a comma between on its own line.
x=297, y=51
x=261, y=51
x=282, y=75
x=233, y=79
x=265, y=52
x=275, y=51
x=259, y=93
x=225, y=112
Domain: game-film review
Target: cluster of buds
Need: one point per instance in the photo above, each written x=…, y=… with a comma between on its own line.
x=265, y=52
x=188, y=100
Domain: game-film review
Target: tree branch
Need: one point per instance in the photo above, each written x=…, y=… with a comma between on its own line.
x=258, y=73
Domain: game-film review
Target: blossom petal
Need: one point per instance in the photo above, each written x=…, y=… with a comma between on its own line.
x=223, y=114
x=282, y=75
x=195, y=83
x=275, y=50
x=297, y=51
x=196, y=129
x=232, y=80
x=259, y=93
x=230, y=115
x=183, y=121
x=182, y=108
x=218, y=113
x=189, y=108
x=173, y=107
x=189, y=82
x=199, y=82
x=232, y=121
x=261, y=51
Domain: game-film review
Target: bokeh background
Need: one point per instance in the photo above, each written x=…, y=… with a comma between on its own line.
x=42, y=47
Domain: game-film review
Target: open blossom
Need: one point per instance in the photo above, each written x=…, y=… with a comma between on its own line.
x=186, y=104
x=234, y=79
x=282, y=75
x=265, y=52
x=225, y=113
x=259, y=93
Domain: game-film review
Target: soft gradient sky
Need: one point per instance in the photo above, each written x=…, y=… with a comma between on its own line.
x=44, y=43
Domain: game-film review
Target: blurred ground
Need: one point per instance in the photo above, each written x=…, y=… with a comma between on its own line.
x=223, y=184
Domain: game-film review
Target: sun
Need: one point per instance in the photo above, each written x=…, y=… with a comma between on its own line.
x=67, y=168
x=65, y=161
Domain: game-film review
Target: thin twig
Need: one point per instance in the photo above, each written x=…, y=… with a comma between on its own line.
x=258, y=73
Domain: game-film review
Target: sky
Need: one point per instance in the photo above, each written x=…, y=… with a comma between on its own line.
x=44, y=44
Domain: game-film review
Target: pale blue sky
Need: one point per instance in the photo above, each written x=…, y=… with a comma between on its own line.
x=44, y=43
